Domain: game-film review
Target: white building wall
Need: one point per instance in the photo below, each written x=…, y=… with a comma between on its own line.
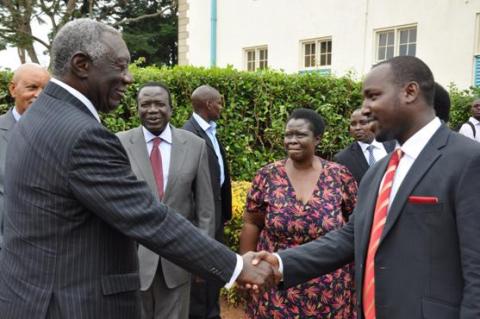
x=445, y=32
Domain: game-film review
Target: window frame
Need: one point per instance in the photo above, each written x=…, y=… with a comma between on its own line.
x=258, y=63
x=397, y=30
x=315, y=57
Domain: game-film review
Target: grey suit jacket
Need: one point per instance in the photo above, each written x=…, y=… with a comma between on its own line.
x=428, y=261
x=75, y=211
x=7, y=121
x=188, y=191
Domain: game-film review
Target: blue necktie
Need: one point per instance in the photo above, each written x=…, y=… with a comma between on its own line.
x=371, y=158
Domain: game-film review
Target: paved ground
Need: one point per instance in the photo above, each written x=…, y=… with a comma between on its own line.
x=229, y=312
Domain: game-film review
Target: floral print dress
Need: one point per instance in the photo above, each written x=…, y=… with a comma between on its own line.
x=289, y=223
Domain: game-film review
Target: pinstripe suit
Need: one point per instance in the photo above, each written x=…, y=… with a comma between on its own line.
x=7, y=121
x=74, y=209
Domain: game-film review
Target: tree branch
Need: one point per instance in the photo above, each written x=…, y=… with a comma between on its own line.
x=142, y=17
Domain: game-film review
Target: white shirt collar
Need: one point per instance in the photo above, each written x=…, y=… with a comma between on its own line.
x=16, y=115
x=415, y=144
x=203, y=124
x=473, y=120
x=374, y=143
x=79, y=96
x=166, y=135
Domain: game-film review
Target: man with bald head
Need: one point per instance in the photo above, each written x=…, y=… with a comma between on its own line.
x=27, y=83
x=207, y=105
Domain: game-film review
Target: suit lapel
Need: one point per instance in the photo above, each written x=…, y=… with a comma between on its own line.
x=359, y=157
x=420, y=167
x=177, y=158
x=6, y=124
x=139, y=154
x=204, y=135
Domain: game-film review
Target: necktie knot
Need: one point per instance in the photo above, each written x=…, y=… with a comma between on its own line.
x=396, y=156
x=156, y=141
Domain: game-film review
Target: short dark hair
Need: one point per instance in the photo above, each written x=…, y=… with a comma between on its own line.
x=441, y=103
x=410, y=68
x=317, y=124
x=156, y=84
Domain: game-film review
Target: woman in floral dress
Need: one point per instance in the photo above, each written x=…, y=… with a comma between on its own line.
x=294, y=201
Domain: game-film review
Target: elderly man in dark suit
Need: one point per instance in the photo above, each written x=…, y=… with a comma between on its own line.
x=179, y=178
x=74, y=208
x=365, y=151
x=207, y=106
x=27, y=82
x=414, y=232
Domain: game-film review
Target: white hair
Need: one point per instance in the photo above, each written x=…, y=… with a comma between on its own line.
x=81, y=35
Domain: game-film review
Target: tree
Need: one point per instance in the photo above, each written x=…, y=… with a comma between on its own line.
x=150, y=27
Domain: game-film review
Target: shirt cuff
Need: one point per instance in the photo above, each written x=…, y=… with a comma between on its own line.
x=236, y=272
x=280, y=263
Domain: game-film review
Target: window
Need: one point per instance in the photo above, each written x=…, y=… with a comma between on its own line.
x=396, y=41
x=317, y=53
x=256, y=58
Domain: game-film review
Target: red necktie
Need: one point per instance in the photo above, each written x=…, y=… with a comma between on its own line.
x=156, y=161
x=379, y=219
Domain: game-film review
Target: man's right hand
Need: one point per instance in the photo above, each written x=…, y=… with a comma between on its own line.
x=264, y=256
x=257, y=276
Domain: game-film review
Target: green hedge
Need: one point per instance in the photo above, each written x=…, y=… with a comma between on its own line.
x=257, y=105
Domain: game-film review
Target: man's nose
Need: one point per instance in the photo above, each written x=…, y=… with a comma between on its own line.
x=128, y=77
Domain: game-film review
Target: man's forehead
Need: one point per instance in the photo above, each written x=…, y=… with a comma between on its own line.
x=149, y=91
x=378, y=75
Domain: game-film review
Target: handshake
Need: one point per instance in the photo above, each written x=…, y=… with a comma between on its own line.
x=260, y=271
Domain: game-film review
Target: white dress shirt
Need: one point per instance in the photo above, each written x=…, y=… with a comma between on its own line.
x=165, y=149
x=467, y=129
x=411, y=149
x=88, y=104
x=15, y=114
x=378, y=150
x=210, y=129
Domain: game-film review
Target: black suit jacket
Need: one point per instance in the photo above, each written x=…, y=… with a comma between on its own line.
x=74, y=211
x=352, y=157
x=428, y=261
x=222, y=195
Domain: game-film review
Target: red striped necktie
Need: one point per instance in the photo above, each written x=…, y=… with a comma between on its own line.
x=379, y=219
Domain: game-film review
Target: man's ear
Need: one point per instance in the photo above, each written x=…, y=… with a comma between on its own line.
x=11, y=89
x=411, y=92
x=80, y=64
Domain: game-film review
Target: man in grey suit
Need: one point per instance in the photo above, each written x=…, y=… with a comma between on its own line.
x=27, y=82
x=414, y=238
x=75, y=209
x=207, y=105
x=186, y=187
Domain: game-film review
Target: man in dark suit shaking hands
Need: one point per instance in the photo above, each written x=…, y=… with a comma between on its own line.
x=74, y=208
x=365, y=151
x=414, y=231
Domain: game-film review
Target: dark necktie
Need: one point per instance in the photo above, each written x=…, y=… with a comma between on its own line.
x=156, y=161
